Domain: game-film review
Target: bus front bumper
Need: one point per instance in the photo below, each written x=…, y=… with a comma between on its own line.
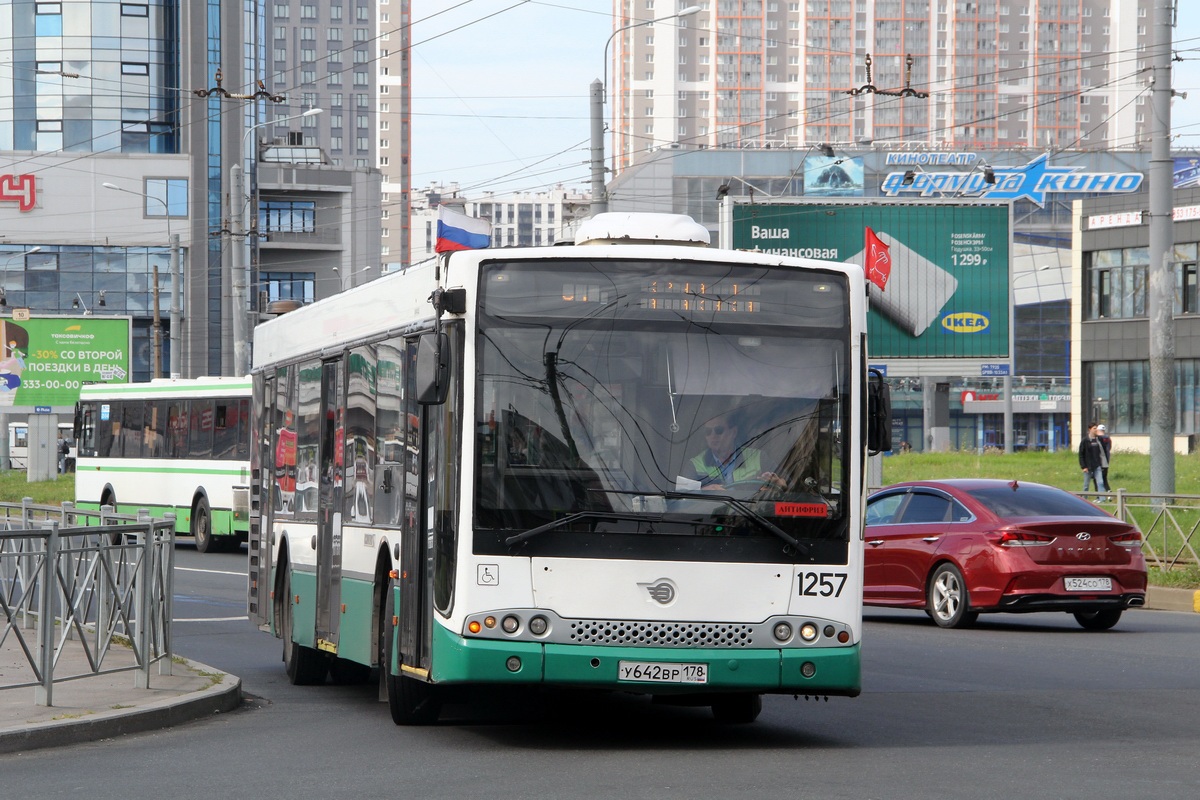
x=813, y=671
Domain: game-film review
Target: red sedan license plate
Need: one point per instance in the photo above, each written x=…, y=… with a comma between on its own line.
x=1087, y=584
x=652, y=672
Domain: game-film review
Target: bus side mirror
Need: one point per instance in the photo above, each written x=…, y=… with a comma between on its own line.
x=433, y=368
x=879, y=413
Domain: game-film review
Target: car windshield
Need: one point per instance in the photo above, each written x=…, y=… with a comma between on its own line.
x=1031, y=500
x=602, y=393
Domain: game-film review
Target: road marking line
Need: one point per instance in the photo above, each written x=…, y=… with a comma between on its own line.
x=212, y=619
x=210, y=571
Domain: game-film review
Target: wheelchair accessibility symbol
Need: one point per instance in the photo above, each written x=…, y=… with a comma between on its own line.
x=488, y=574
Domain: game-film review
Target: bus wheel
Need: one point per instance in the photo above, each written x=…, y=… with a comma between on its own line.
x=109, y=499
x=737, y=709
x=202, y=526
x=344, y=672
x=411, y=702
x=305, y=666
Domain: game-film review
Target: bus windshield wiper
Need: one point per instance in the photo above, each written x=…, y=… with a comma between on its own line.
x=746, y=511
x=567, y=520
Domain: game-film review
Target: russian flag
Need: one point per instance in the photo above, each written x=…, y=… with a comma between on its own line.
x=457, y=231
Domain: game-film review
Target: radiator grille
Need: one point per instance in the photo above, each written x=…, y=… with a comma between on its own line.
x=660, y=634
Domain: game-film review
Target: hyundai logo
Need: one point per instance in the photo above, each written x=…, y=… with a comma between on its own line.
x=1083, y=537
x=661, y=591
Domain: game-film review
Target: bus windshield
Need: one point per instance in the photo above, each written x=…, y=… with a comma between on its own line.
x=624, y=405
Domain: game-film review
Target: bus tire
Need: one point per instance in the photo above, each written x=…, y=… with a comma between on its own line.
x=304, y=665
x=411, y=702
x=110, y=499
x=202, y=526
x=737, y=709
x=345, y=672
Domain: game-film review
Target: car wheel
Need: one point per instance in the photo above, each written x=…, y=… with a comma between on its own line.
x=1098, y=620
x=947, y=602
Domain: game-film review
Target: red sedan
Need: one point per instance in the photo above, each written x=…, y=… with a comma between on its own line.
x=959, y=548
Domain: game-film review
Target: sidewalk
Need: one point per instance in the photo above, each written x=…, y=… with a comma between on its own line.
x=101, y=706
x=1159, y=598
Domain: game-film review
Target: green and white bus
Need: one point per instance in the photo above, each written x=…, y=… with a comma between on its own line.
x=179, y=446
x=482, y=472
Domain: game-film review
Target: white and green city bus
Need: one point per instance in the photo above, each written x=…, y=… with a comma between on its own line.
x=179, y=446
x=497, y=456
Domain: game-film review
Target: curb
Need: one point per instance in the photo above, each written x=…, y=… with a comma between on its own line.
x=1161, y=598
x=224, y=695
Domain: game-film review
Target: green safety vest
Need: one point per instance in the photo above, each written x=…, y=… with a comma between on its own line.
x=746, y=467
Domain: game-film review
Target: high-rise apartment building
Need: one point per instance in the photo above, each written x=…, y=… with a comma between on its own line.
x=790, y=73
x=395, y=129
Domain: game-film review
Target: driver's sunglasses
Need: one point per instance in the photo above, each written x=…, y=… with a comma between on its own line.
x=716, y=430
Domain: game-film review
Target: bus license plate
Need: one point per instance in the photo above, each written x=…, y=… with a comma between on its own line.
x=652, y=672
x=1088, y=584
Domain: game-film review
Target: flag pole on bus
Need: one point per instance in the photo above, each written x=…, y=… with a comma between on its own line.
x=457, y=231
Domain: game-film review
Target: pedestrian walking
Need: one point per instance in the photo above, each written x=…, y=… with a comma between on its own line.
x=1106, y=443
x=1091, y=460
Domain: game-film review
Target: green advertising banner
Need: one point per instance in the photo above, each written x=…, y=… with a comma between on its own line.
x=938, y=273
x=46, y=359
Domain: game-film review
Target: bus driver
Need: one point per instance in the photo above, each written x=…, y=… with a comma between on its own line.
x=724, y=463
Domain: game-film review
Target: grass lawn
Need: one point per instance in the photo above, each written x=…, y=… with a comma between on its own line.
x=14, y=487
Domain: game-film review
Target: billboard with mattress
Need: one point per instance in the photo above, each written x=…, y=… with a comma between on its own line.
x=938, y=272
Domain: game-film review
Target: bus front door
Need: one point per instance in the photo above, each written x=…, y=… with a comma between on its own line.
x=415, y=573
x=329, y=504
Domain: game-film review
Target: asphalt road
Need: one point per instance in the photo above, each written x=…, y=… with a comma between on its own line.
x=1021, y=707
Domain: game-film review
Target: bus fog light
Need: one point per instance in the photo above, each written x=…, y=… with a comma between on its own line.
x=538, y=626
x=782, y=631
x=510, y=624
x=828, y=631
x=808, y=669
x=513, y=663
x=808, y=632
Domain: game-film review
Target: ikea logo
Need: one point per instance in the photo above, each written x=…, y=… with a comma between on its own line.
x=965, y=322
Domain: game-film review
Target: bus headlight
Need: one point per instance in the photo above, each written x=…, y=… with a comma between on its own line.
x=538, y=625
x=782, y=631
x=510, y=624
x=808, y=632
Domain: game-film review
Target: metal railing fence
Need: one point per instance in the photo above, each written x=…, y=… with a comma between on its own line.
x=97, y=580
x=1169, y=523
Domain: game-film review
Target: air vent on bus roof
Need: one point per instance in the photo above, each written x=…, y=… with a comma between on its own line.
x=643, y=228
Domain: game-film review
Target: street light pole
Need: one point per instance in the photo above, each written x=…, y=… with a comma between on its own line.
x=1160, y=305
x=239, y=218
x=176, y=292
x=599, y=95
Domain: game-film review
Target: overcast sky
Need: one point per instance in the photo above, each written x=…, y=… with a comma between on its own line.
x=500, y=90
